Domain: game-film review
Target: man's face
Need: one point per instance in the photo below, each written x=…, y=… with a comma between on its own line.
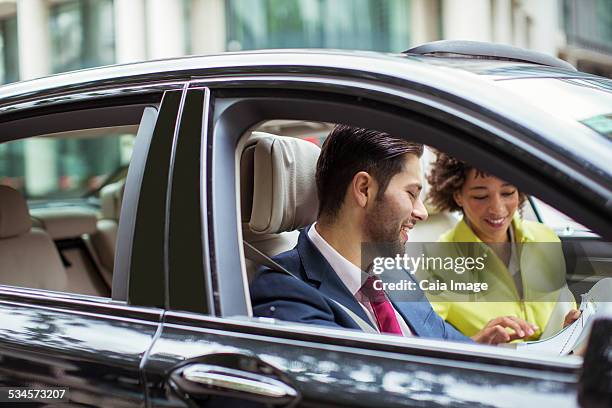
x=390, y=217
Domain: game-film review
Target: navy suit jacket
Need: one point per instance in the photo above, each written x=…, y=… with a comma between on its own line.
x=310, y=298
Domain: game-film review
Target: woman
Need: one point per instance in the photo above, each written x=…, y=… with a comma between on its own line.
x=523, y=261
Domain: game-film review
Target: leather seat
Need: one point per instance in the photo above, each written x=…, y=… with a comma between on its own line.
x=278, y=191
x=28, y=256
x=104, y=240
x=69, y=228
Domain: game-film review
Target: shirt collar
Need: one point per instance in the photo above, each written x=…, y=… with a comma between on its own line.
x=521, y=230
x=463, y=232
x=348, y=273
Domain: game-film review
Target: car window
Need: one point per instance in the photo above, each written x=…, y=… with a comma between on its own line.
x=435, y=235
x=64, y=166
x=556, y=220
x=62, y=187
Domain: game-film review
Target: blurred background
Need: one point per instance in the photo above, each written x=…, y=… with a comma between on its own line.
x=42, y=37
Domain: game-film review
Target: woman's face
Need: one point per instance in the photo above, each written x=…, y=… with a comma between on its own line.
x=488, y=205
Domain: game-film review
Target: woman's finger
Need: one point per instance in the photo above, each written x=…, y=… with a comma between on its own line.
x=526, y=326
x=512, y=324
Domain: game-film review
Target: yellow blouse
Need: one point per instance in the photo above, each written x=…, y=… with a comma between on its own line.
x=541, y=268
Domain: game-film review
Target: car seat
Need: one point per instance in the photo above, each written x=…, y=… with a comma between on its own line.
x=104, y=240
x=278, y=192
x=69, y=227
x=28, y=256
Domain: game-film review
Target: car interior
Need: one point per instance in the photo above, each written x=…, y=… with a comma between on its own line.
x=72, y=233
x=271, y=215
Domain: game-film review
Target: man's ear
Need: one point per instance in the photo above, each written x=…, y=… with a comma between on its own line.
x=362, y=188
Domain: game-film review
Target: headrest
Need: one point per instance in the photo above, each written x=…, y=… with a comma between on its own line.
x=427, y=161
x=14, y=217
x=65, y=223
x=279, y=174
x=431, y=209
x=110, y=200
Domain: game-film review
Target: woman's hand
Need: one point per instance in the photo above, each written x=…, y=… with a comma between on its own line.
x=571, y=317
x=495, y=331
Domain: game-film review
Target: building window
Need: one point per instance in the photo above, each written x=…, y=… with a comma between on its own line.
x=82, y=34
x=588, y=24
x=187, y=29
x=381, y=25
x=9, y=55
x=67, y=166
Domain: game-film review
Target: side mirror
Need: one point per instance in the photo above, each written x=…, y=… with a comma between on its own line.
x=595, y=386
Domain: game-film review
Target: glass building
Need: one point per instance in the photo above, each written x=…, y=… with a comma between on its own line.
x=9, y=61
x=81, y=34
x=380, y=25
x=64, y=35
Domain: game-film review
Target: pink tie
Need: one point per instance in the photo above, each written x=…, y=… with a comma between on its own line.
x=383, y=311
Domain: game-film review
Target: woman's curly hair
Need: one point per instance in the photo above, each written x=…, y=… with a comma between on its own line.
x=447, y=176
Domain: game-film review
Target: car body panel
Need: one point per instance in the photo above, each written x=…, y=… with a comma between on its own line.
x=94, y=348
x=341, y=375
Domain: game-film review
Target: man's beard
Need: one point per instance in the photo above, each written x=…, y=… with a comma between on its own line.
x=382, y=228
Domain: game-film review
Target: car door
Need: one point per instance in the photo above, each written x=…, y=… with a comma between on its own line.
x=92, y=347
x=209, y=351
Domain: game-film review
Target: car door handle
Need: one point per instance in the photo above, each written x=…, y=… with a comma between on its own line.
x=199, y=379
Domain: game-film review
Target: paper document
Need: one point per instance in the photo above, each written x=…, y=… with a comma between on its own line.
x=575, y=336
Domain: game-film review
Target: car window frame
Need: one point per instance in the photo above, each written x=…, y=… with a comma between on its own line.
x=116, y=308
x=189, y=282
x=565, y=366
x=140, y=275
x=460, y=148
x=227, y=131
x=79, y=110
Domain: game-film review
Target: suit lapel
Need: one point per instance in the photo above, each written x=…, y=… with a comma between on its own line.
x=412, y=305
x=317, y=269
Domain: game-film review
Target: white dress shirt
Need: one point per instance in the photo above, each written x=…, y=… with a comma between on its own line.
x=350, y=275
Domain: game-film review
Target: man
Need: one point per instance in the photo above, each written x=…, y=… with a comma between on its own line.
x=369, y=186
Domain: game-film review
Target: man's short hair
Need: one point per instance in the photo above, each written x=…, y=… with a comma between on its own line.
x=349, y=150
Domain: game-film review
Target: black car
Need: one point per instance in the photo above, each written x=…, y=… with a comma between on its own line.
x=125, y=279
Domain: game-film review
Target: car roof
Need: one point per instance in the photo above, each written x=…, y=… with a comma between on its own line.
x=254, y=61
x=468, y=81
